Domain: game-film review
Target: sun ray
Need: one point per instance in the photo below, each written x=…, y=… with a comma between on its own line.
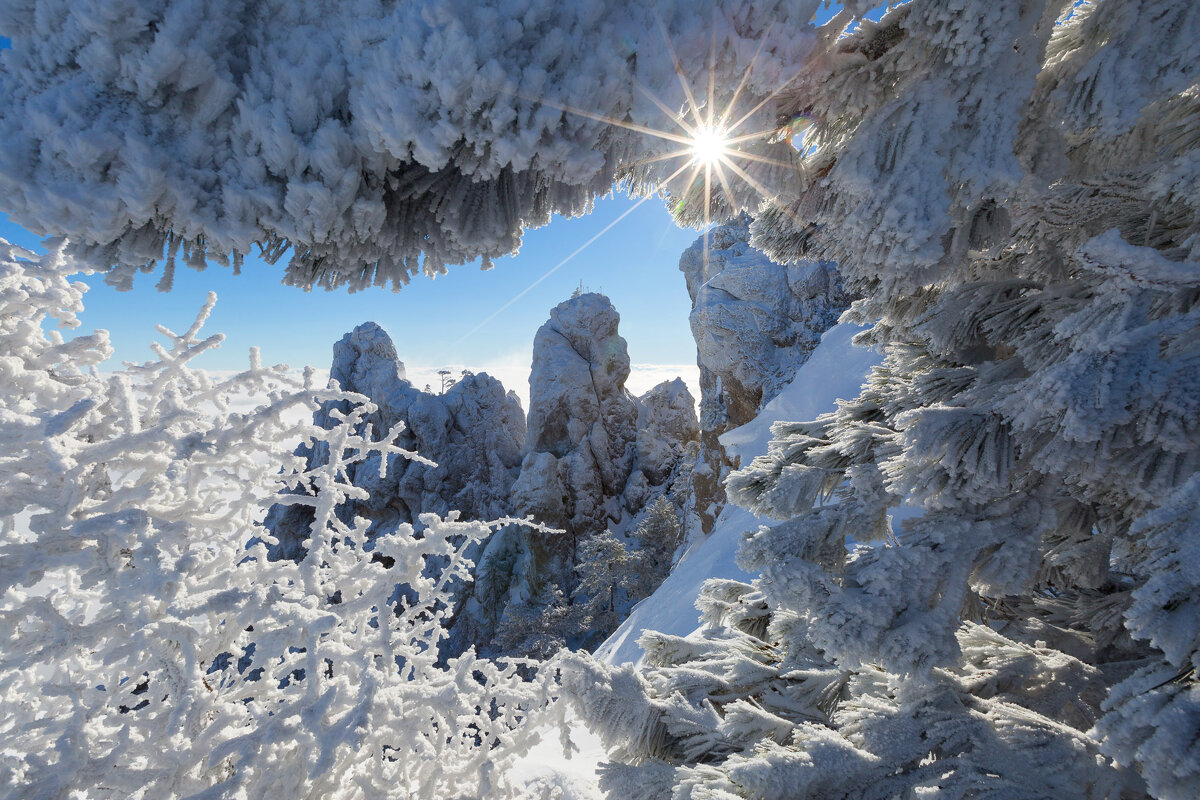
x=767, y=99
x=696, y=167
x=633, y=126
x=641, y=162
x=723, y=122
x=750, y=179
x=707, y=211
x=758, y=187
x=706, y=138
x=709, y=143
x=676, y=117
x=687, y=89
x=712, y=67
x=718, y=167
x=746, y=137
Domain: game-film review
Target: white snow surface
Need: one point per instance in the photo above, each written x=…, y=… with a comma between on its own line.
x=834, y=371
x=549, y=773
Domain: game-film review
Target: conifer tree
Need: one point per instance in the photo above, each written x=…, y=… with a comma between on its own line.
x=658, y=536
x=983, y=582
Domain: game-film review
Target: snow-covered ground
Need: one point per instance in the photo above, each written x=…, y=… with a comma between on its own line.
x=550, y=774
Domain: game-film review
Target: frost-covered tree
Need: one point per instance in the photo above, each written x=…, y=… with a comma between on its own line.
x=609, y=574
x=658, y=536
x=149, y=651
x=540, y=627
x=984, y=583
x=611, y=577
x=369, y=141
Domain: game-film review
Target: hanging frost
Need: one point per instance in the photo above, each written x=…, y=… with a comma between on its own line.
x=370, y=141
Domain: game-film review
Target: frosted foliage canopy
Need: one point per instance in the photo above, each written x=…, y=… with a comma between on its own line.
x=368, y=140
x=983, y=579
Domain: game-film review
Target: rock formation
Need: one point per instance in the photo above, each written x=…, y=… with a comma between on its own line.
x=667, y=441
x=582, y=424
x=594, y=457
x=475, y=432
x=755, y=322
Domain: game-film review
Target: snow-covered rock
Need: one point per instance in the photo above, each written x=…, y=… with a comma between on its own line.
x=666, y=423
x=475, y=433
x=593, y=450
x=595, y=456
x=579, y=409
x=581, y=415
x=835, y=371
x=755, y=322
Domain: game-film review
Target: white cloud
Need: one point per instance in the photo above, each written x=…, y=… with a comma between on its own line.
x=644, y=377
x=511, y=369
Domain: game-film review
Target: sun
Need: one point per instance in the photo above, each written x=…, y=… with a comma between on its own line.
x=707, y=139
x=708, y=146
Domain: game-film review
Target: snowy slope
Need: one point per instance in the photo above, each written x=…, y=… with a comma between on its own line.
x=835, y=370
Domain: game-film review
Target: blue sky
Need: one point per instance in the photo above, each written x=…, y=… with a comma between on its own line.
x=634, y=263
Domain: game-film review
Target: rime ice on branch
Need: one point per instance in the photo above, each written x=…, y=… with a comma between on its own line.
x=146, y=650
x=370, y=141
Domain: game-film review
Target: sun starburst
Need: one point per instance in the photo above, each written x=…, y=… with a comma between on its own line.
x=708, y=146
x=704, y=137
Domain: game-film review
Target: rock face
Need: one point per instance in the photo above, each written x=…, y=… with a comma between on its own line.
x=582, y=421
x=594, y=456
x=755, y=322
x=475, y=432
x=667, y=437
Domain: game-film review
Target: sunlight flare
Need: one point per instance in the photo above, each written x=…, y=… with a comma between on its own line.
x=709, y=145
x=705, y=138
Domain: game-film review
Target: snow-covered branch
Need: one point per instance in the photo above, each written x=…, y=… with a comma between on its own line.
x=151, y=648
